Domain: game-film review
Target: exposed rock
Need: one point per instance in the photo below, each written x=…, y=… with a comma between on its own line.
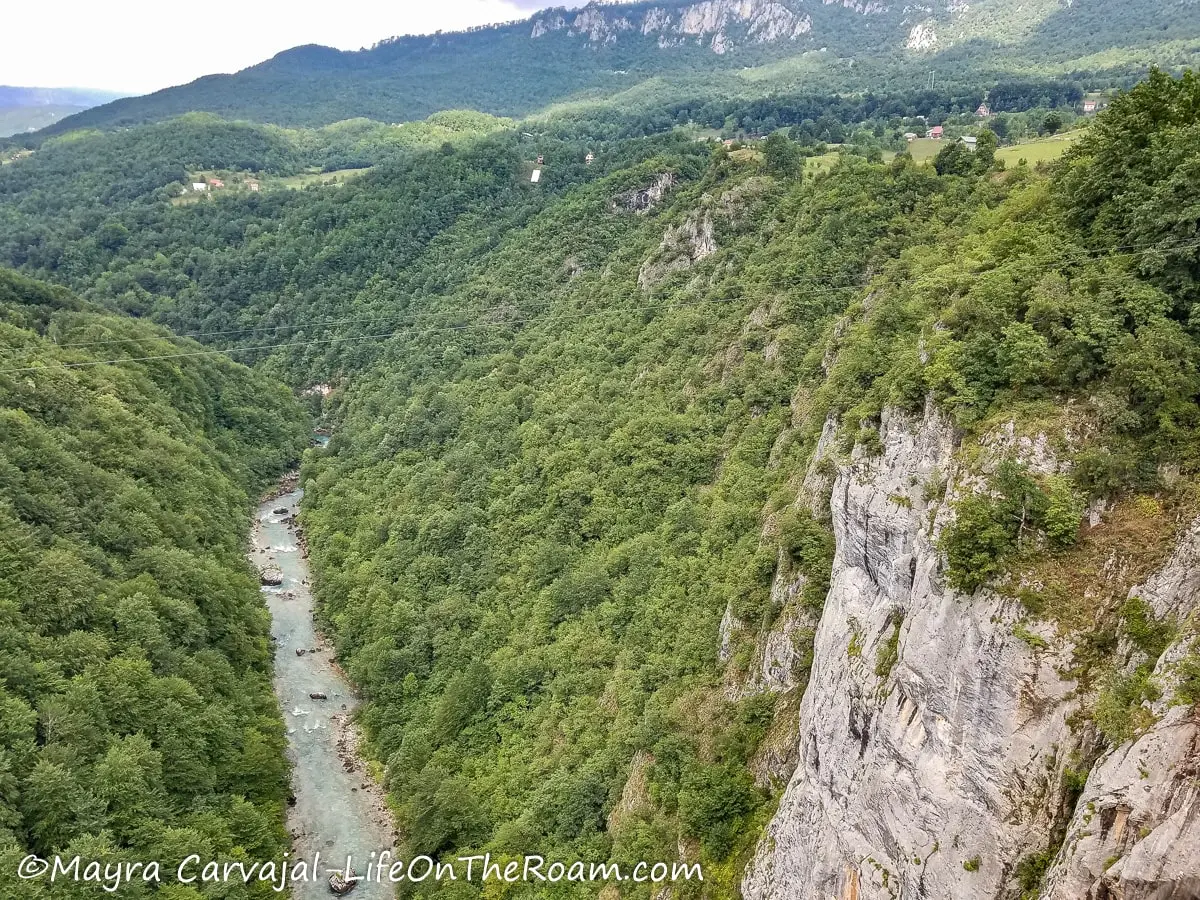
x=928, y=733
x=682, y=247
x=719, y=23
x=271, y=576
x=1136, y=829
x=922, y=37
x=547, y=24
x=635, y=796
x=817, y=487
x=725, y=635
x=642, y=200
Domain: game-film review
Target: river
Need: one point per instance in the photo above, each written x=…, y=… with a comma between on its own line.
x=338, y=808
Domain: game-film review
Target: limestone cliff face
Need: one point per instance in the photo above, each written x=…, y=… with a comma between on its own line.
x=928, y=735
x=1135, y=834
x=932, y=740
x=717, y=24
x=724, y=25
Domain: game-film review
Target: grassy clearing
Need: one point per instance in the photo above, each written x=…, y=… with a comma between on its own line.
x=746, y=155
x=923, y=150
x=821, y=163
x=337, y=177
x=1042, y=150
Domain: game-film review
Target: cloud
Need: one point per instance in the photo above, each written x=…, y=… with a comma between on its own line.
x=143, y=45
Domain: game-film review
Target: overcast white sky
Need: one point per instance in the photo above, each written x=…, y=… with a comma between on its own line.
x=142, y=45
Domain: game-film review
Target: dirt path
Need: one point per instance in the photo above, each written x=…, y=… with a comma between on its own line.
x=339, y=810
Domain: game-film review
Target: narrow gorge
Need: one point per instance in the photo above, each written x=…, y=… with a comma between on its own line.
x=337, y=808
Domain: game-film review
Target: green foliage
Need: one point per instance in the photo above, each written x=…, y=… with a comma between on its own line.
x=1064, y=512
x=954, y=159
x=1031, y=869
x=889, y=651
x=549, y=480
x=989, y=528
x=714, y=803
x=136, y=709
x=1146, y=632
x=1118, y=711
x=1131, y=181
x=972, y=864
x=810, y=547
x=781, y=156
x=1187, y=670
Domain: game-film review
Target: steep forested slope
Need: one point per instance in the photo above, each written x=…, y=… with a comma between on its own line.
x=602, y=49
x=613, y=456
x=137, y=716
x=528, y=535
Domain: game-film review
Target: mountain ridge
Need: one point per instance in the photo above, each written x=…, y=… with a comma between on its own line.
x=515, y=68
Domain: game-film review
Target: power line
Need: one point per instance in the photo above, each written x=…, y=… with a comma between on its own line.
x=368, y=337
x=412, y=328
x=372, y=320
x=826, y=290
x=1124, y=249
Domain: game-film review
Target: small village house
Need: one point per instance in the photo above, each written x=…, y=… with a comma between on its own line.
x=984, y=111
x=253, y=185
x=1089, y=106
x=970, y=142
x=199, y=186
x=215, y=183
x=910, y=136
x=589, y=159
x=935, y=133
x=536, y=176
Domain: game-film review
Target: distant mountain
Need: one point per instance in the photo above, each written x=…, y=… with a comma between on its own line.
x=601, y=49
x=30, y=108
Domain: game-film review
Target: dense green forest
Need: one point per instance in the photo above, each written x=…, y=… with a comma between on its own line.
x=526, y=536
x=518, y=68
x=570, y=420
x=137, y=720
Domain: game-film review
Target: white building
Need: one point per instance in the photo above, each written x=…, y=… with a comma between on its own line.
x=199, y=186
x=536, y=176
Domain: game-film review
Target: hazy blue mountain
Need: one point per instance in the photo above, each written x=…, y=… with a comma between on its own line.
x=30, y=108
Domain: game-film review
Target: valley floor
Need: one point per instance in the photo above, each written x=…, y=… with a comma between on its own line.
x=339, y=809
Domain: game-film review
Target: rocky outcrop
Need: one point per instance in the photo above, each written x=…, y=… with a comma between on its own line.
x=682, y=247
x=1136, y=829
x=931, y=740
x=715, y=23
x=934, y=735
x=923, y=36
x=644, y=199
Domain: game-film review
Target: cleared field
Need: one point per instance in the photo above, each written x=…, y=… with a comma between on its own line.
x=336, y=177
x=823, y=163
x=925, y=149
x=1042, y=150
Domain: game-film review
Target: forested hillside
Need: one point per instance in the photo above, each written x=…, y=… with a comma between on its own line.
x=717, y=49
x=578, y=528
x=137, y=716
x=527, y=535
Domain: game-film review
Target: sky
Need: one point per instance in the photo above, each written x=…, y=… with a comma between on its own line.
x=137, y=46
